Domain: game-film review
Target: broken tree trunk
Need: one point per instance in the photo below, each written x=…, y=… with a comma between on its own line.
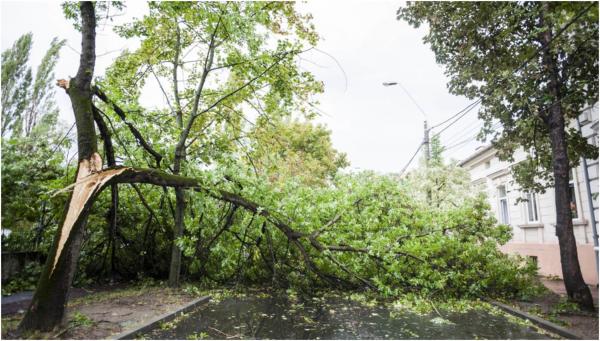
x=47, y=308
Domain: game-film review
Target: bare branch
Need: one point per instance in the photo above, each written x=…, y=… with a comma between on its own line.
x=173, y=110
x=178, y=111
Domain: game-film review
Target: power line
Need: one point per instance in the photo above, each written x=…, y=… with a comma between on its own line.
x=411, y=159
x=453, y=116
x=339, y=66
x=495, y=126
x=459, y=143
x=467, y=130
x=471, y=138
x=466, y=110
x=413, y=100
x=317, y=108
x=62, y=139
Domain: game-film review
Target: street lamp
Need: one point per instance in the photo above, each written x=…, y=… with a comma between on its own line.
x=425, y=128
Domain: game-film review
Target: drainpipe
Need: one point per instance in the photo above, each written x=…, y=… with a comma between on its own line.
x=586, y=175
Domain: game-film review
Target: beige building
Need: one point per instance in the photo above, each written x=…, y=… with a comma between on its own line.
x=533, y=222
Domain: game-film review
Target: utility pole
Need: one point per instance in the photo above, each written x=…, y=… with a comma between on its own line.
x=426, y=143
x=426, y=152
x=426, y=129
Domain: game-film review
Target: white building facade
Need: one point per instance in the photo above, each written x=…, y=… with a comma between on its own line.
x=534, y=221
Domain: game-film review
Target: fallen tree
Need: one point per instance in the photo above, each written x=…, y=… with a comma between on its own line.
x=47, y=309
x=368, y=233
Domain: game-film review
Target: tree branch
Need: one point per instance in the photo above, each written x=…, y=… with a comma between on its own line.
x=138, y=136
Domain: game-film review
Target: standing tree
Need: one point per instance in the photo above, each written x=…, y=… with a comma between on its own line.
x=25, y=103
x=294, y=149
x=534, y=66
x=47, y=308
x=16, y=80
x=438, y=183
x=31, y=138
x=209, y=60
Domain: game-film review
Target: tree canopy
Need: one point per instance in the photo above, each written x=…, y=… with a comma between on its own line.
x=533, y=67
x=33, y=144
x=230, y=180
x=491, y=51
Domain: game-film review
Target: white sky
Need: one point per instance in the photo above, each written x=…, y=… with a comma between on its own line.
x=378, y=127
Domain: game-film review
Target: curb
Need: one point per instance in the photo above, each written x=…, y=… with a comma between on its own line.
x=552, y=327
x=129, y=334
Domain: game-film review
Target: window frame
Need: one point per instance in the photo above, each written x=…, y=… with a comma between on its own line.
x=574, y=182
x=500, y=207
x=533, y=204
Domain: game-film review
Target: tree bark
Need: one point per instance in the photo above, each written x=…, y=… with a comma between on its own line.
x=576, y=288
x=47, y=308
x=111, y=232
x=136, y=133
x=175, y=267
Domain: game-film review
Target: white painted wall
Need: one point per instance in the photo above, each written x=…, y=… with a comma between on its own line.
x=489, y=172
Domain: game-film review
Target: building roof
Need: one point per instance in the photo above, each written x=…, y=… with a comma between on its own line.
x=477, y=153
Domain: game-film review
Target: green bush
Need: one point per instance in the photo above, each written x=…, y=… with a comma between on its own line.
x=26, y=280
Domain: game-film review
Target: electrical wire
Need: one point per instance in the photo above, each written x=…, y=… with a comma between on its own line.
x=469, y=129
x=453, y=116
x=465, y=111
x=411, y=159
x=471, y=138
x=412, y=99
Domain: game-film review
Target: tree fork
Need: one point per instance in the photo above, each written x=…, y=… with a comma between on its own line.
x=109, y=153
x=47, y=308
x=136, y=133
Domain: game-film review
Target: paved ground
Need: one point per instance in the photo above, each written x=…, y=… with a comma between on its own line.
x=104, y=313
x=558, y=287
x=20, y=301
x=548, y=306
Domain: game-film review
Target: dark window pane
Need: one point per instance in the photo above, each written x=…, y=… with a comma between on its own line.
x=573, y=201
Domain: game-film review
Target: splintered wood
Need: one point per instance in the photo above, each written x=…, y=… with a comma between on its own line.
x=90, y=179
x=63, y=83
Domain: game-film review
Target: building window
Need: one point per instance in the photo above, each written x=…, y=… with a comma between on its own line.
x=532, y=208
x=534, y=259
x=488, y=163
x=573, y=195
x=503, y=205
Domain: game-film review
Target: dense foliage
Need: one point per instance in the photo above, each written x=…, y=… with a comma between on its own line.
x=348, y=230
x=33, y=146
x=495, y=51
x=533, y=67
x=393, y=242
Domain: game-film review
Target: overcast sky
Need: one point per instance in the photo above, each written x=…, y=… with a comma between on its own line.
x=378, y=127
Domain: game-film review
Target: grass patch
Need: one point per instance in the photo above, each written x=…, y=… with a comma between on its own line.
x=198, y=336
x=80, y=320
